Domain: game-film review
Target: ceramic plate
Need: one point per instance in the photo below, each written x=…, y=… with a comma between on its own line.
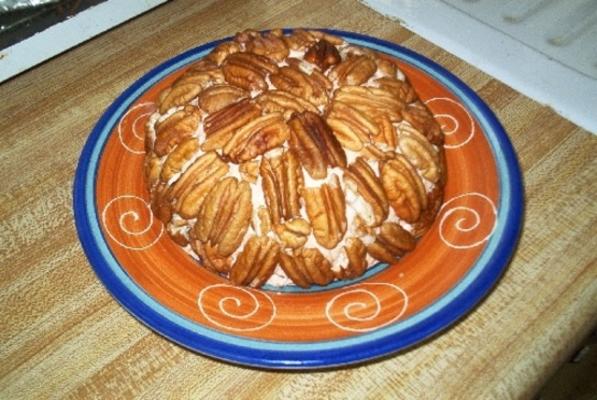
x=390, y=308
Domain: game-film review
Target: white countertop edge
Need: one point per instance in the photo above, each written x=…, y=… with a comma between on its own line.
x=567, y=92
x=60, y=37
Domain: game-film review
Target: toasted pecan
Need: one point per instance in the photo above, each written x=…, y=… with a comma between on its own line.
x=404, y=188
x=220, y=126
x=351, y=127
x=178, y=157
x=419, y=116
x=268, y=45
x=256, y=137
x=176, y=128
x=420, y=153
x=225, y=215
x=153, y=169
x=299, y=39
x=301, y=84
x=219, y=96
x=401, y=89
x=187, y=194
x=391, y=243
x=223, y=50
x=315, y=144
x=187, y=87
x=256, y=263
x=282, y=179
x=368, y=186
x=356, y=252
x=326, y=208
x=293, y=233
x=307, y=266
x=371, y=101
x=353, y=70
x=323, y=54
x=248, y=70
x=284, y=102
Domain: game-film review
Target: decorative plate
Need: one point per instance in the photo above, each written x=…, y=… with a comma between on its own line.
x=388, y=309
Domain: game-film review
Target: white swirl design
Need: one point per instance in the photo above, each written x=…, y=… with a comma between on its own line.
x=132, y=215
x=136, y=135
x=450, y=124
x=372, y=308
x=464, y=224
x=230, y=307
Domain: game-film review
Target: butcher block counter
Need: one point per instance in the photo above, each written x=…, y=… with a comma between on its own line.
x=64, y=336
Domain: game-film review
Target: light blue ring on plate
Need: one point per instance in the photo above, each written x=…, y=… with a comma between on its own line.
x=299, y=355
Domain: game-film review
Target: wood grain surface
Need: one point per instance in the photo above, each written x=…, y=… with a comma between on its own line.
x=63, y=336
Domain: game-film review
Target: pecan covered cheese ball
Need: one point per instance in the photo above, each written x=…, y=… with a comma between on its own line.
x=293, y=159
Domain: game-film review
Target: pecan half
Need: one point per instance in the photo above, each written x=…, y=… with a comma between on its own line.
x=385, y=66
x=372, y=151
x=248, y=70
x=246, y=36
x=205, y=64
x=160, y=204
x=352, y=50
x=257, y=137
x=401, y=89
x=326, y=209
x=179, y=238
x=333, y=39
x=220, y=125
x=299, y=39
x=387, y=132
x=419, y=116
x=404, y=188
x=391, y=243
x=420, y=153
x=293, y=233
x=224, y=216
x=371, y=101
x=249, y=170
x=189, y=191
x=262, y=223
x=187, y=87
x=215, y=98
x=223, y=50
x=282, y=179
x=351, y=127
x=306, y=267
x=153, y=168
x=354, y=70
x=315, y=144
x=434, y=202
x=176, y=128
x=300, y=84
x=256, y=262
x=323, y=54
x=268, y=45
x=177, y=157
x=284, y=102
x=210, y=257
x=316, y=77
x=199, y=177
x=368, y=186
x=356, y=253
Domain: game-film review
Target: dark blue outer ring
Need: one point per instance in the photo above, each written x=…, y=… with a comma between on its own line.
x=459, y=307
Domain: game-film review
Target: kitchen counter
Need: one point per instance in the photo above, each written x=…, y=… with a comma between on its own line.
x=64, y=336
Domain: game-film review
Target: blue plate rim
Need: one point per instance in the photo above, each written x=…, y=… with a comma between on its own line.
x=274, y=355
